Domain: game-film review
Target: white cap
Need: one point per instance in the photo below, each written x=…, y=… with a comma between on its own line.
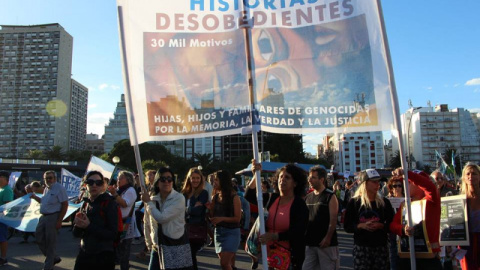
x=372, y=174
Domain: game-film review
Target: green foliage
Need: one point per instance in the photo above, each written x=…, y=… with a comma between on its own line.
x=35, y=154
x=54, y=153
x=151, y=164
x=124, y=150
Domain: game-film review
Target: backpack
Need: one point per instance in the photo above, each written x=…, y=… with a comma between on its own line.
x=103, y=207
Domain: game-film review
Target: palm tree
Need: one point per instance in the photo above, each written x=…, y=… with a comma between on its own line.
x=35, y=154
x=54, y=153
x=205, y=160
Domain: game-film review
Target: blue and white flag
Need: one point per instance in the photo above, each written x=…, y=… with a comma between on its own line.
x=71, y=183
x=443, y=165
x=23, y=213
x=14, y=176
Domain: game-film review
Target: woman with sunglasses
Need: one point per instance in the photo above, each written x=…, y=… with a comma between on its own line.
x=165, y=217
x=125, y=195
x=396, y=195
x=97, y=224
x=196, y=197
x=225, y=215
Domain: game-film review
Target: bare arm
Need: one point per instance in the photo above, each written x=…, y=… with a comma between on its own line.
x=333, y=209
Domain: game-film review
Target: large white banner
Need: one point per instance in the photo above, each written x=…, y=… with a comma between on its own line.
x=319, y=66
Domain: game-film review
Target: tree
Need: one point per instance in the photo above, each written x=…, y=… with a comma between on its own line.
x=124, y=150
x=396, y=161
x=151, y=164
x=54, y=153
x=35, y=154
x=204, y=160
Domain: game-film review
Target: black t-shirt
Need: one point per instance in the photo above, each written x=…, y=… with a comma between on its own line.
x=319, y=218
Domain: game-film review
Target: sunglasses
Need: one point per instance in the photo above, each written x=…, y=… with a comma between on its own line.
x=397, y=186
x=91, y=182
x=164, y=179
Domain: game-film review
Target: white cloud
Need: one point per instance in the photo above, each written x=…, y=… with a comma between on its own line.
x=429, y=88
x=474, y=110
x=96, y=122
x=475, y=81
x=102, y=86
x=92, y=106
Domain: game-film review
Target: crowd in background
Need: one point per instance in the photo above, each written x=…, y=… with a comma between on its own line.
x=303, y=211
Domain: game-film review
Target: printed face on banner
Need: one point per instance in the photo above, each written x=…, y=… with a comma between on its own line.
x=315, y=76
x=314, y=67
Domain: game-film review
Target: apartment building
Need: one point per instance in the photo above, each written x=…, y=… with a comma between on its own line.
x=36, y=90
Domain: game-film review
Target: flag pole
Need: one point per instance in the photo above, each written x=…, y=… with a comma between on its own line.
x=398, y=127
x=251, y=80
x=129, y=104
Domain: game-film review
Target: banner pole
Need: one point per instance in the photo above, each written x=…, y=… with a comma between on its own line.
x=396, y=116
x=251, y=80
x=128, y=97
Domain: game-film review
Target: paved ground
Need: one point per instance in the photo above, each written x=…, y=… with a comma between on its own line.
x=28, y=257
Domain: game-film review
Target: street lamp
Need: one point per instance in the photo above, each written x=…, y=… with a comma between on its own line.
x=116, y=160
x=200, y=167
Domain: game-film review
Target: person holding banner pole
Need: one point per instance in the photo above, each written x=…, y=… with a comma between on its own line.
x=6, y=195
x=53, y=207
x=287, y=215
x=471, y=187
x=421, y=188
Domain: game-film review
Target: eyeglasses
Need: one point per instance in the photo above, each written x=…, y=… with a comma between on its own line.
x=163, y=179
x=91, y=182
x=396, y=186
x=48, y=178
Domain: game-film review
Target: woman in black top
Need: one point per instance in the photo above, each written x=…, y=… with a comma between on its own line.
x=368, y=217
x=291, y=183
x=97, y=225
x=225, y=215
x=195, y=199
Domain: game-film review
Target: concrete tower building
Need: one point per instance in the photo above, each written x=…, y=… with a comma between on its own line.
x=36, y=90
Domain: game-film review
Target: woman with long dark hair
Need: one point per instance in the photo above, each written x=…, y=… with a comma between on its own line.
x=287, y=212
x=225, y=215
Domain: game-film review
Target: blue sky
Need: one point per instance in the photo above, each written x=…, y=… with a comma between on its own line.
x=434, y=47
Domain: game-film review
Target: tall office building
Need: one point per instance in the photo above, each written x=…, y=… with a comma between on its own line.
x=117, y=128
x=78, y=117
x=426, y=130
x=35, y=89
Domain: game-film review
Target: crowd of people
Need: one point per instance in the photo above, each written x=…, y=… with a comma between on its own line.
x=302, y=215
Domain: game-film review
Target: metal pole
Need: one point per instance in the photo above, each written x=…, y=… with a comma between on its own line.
x=397, y=122
x=128, y=97
x=251, y=81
